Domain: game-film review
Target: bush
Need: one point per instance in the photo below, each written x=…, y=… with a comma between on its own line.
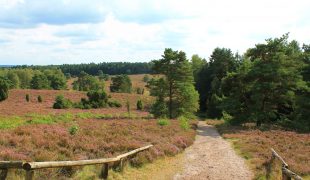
x=40, y=99
x=4, y=89
x=27, y=97
x=163, y=122
x=121, y=83
x=184, y=123
x=128, y=106
x=140, y=90
x=139, y=104
x=146, y=78
x=114, y=103
x=87, y=82
x=40, y=81
x=73, y=129
x=62, y=103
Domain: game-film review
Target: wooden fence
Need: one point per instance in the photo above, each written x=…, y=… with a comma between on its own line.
x=30, y=167
x=286, y=173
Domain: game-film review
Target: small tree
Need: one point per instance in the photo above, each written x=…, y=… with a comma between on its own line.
x=4, y=89
x=121, y=83
x=146, y=78
x=128, y=107
x=40, y=99
x=139, y=104
x=27, y=97
x=40, y=81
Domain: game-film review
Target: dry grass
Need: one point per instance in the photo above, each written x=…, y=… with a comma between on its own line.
x=254, y=145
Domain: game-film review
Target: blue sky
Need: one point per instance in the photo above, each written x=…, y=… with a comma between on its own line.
x=79, y=31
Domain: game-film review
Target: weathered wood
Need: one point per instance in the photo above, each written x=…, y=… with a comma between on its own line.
x=29, y=175
x=11, y=164
x=290, y=174
x=3, y=174
x=135, y=151
x=104, y=171
x=274, y=153
x=55, y=164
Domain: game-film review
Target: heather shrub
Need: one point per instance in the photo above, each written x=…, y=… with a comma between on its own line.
x=62, y=103
x=40, y=99
x=163, y=122
x=184, y=123
x=27, y=97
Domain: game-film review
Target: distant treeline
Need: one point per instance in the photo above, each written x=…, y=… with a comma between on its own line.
x=111, y=68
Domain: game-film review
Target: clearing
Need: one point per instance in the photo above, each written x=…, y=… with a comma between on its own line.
x=211, y=157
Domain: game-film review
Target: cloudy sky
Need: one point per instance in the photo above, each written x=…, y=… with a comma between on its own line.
x=80, y=31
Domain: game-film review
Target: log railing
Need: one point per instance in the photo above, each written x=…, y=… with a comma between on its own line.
x=286, y=173
x=30, y=167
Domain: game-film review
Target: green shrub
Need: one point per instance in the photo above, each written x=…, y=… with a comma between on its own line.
x=121, y=84
x=128, y=106
x=139, y=104
x=146, y=78
x=140, y=90
x=184, y=123
x=40, y=99
x=73, y=129
x=114, y=103
x=163, y=122
x=62, y=103
x=27, y=97
x=4, y=89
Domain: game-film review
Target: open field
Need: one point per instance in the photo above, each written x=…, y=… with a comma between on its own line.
x=254, y=145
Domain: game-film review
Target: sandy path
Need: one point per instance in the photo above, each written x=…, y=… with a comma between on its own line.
x=211, y=157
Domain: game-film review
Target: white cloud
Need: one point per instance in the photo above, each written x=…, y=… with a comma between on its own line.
x=140, y=30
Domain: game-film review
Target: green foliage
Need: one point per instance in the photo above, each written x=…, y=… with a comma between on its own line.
x=87, y=82
x=177, y=86
x=14, y=79
x=62, y=103
x=40, y=99
x=114, y=103
x=121, y=84
x=139, y=105
x=128, y=106
x=140, y=90
x=163, y=122
x=102, y=77
x=4, y=89
x=159, y=108
x=146, y=78
x=27, y=97
x=184, y=124
x=40, y=81
x=73, y=129
x=96, y=99
x=56, y=78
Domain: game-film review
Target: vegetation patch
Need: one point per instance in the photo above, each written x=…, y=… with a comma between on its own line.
x=93, y=139
x=254, y=145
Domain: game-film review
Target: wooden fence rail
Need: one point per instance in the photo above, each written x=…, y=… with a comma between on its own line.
x=286, y=173
x=30, y=167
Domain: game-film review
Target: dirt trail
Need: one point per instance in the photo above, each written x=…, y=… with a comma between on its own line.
x=211, y=157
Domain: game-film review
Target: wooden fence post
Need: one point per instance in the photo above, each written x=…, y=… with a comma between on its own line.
x=29, y=175
x=3, y=174
x=104, y=171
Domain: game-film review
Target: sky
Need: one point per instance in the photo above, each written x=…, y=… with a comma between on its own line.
x=42, y=32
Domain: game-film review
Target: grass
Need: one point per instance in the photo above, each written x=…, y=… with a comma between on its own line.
x=11, y=122
x=254, y=145
x=163, y=122
x=167, y=166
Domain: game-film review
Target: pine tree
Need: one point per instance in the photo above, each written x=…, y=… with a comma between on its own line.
x=177, y=84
